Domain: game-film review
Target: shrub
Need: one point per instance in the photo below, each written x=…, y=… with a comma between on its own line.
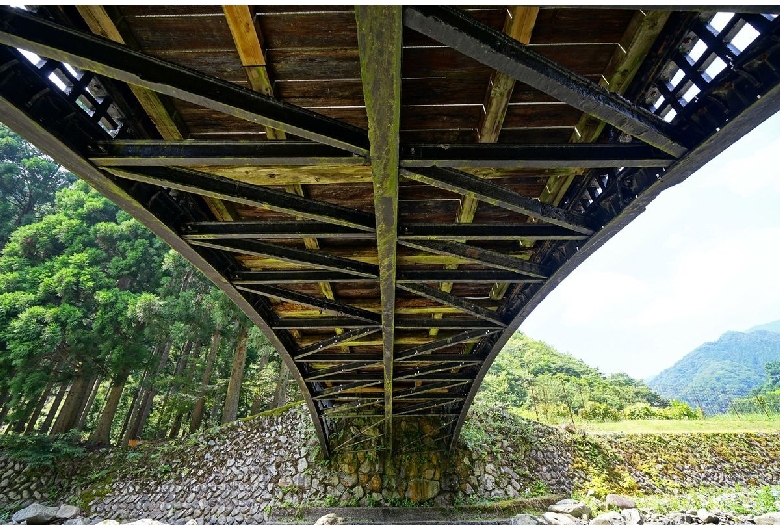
x=593, y=411
x=41, y=449
x=679, y=410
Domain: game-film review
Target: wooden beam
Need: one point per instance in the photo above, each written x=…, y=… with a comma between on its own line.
x=159, y=108
x=484, y=232
x=486, y=191
x=319, y=323
x=311, y=301
x=412, y=409
x=159, y=111
x=380, y=30
x=242, y=193
x=519, y=25
x=433, y=374
x=333, y=341
x=405, y=322
x=278, y=230
x=193, y=153
x=85, y=51
x=190, y=153
x=555, y=156
x=294, y=276
x=453, y=301
x=249, y=44
x=418, y=391
x=290, y=254
x=642, y=32
x=480, y=255
x=329, y=392
x=444, y=343
x=345, y=368
x=456, y=29
x=465, y=276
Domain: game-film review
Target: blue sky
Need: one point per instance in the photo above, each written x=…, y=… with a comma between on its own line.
x=703, y=259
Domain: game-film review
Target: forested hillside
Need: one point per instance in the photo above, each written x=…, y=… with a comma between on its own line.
x=716, y=373
x=542, y=383
x=103, y=328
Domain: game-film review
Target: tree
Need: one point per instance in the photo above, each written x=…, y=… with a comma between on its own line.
x=28, y=181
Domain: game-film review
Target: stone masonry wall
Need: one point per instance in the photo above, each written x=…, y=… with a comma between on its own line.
x=238, y=473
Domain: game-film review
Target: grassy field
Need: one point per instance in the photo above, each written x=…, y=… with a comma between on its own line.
x=729, y=423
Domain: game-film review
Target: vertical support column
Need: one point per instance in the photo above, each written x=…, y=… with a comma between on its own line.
x=380, y=30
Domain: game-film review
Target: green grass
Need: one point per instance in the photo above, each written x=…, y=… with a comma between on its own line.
x=738, y=500
x=725, y=423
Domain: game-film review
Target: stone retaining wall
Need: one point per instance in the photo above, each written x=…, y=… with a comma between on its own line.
x=240, y=472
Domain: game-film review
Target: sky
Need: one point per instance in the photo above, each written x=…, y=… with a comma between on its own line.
x=703, y=259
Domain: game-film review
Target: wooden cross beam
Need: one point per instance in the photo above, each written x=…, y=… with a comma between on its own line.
x=453, y=301
x=275, y=230
x=465, y=276
x=479, y=255
x=483, y=232
x=290, y=153
x=456, y=29
x=273, y=277
x=87, y=52
x=444, y=343
x=486, y=191
x=291, y=254
x=242, y=193
x=311, y=301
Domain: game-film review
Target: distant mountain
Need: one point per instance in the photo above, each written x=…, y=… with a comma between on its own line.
x=774, y=327
x=717, y=372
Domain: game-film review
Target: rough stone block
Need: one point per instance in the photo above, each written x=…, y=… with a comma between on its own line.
x=35, y=514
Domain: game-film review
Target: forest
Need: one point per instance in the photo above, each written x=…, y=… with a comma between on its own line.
x=104, y=330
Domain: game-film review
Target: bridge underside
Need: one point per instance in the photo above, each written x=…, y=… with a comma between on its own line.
x=387, y=192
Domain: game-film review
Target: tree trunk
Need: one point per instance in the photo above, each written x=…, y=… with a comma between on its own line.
x=257, y=403
x=90, y=401
x=176, y=427
x=21, y=420
x=55, y=405
x=145, y=404
x=280, y=394
x=102, y=434
x=38, y=408
x=197, y=410
x=71, y=408
x=131, y=408
x=173, y=388
x=236, y=376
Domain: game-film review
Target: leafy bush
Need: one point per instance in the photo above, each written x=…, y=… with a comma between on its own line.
x=593, y=411
x=640, y=411
x=679, y=410
x=40, y=449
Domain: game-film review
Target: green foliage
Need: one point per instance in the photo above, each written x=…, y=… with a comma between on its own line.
x=535, y=379
x=41, y=450
x=715, y=373
x=593, y=411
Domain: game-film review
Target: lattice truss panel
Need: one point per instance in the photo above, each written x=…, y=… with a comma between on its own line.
x=386, y=192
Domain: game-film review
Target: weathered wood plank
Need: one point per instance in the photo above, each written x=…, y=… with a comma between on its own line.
x=333, y=341
x=380, y=31
x=454, y=28
x=484, y=190
x=88, y=52
x=444, y=343
x=239, y=192
x=453, y=301
x=479, y=255
x=291, y=255
x=486, y=232
x=311, y=301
